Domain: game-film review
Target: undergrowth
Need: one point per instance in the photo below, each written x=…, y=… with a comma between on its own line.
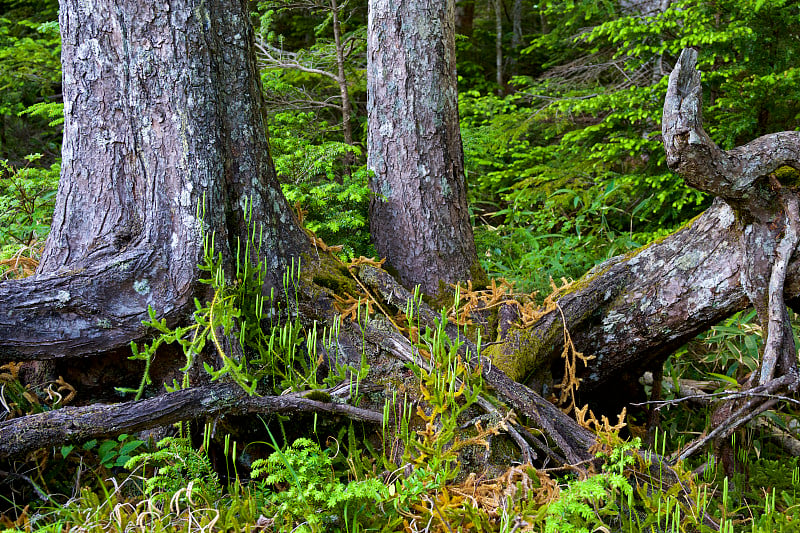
x=412, y=481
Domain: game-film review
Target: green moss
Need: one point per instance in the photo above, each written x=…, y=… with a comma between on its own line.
x=590, y=276
x=787, y=176
x=443, y=299
x=518, y=357
x=326, y=271
x=480, y=280
x=318, y=396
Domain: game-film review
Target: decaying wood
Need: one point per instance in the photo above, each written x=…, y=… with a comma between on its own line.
x=691, y=153
x=632, y=311
x=79, y=424
x=570, y=438
x=767, y=215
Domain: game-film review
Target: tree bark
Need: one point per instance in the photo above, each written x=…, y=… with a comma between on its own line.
x=465, y=17
x=163, y=114
x=164, y=140
x=516, y=25
x=419, y=218
x=498, y=45
x=633, y=311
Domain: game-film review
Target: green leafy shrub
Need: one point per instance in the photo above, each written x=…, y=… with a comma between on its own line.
x=27, y=197
x=335, y=200
x=111, y=453
x=30, y=74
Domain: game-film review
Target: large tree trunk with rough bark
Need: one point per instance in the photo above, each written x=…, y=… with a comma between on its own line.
x=164, y=140
x=419, y=218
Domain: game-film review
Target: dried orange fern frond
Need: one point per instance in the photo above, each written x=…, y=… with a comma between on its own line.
x=499, y=292
x=521, y=482
x=370, y=261
x=348, y=306
x=300, y=212
x=586, y=418
x=570, y=382
x=10, y=372
x=22, y=264
x=320, y=244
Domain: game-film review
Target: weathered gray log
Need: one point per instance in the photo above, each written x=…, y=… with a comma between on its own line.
x=79, y=424
x=634, y=310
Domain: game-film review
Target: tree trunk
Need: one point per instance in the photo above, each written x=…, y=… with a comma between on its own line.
x=498, y=45
x=164, y=139
x=341, y=80
x=516, y=25
x=516, y=35
x=465, y=17
x=163, y=114
x=419, y=217
x=628, y=314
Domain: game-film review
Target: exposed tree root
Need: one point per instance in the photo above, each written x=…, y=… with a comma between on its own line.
x=78, y=424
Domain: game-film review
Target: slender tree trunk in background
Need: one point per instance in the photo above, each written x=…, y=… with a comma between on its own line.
x=465, y=17
x=516, y=25
x=516, y=35
x=347, y=110
x=163, y=111
x=498, y=44
x=419, y=218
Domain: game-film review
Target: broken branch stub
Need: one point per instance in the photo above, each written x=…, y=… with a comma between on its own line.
x=694, y=156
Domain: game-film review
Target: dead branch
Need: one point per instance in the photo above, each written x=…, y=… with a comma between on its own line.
x=692, y=154
x=78, y=424
x=274, y=57
x=780, y=340
x=737, y=176
x=573, y=440
x=748, y=411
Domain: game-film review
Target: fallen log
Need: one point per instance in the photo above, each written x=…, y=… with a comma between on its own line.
x=79, y=424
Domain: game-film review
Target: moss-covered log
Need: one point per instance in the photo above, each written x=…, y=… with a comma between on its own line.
x=634, y=310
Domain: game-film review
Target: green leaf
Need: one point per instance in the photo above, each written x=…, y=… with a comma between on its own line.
x=723, y=377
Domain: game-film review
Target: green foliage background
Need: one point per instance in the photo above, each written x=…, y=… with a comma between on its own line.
x=565, y=168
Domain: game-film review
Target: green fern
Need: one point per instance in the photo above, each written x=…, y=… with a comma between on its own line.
x=315, y=495
x=179, y=468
